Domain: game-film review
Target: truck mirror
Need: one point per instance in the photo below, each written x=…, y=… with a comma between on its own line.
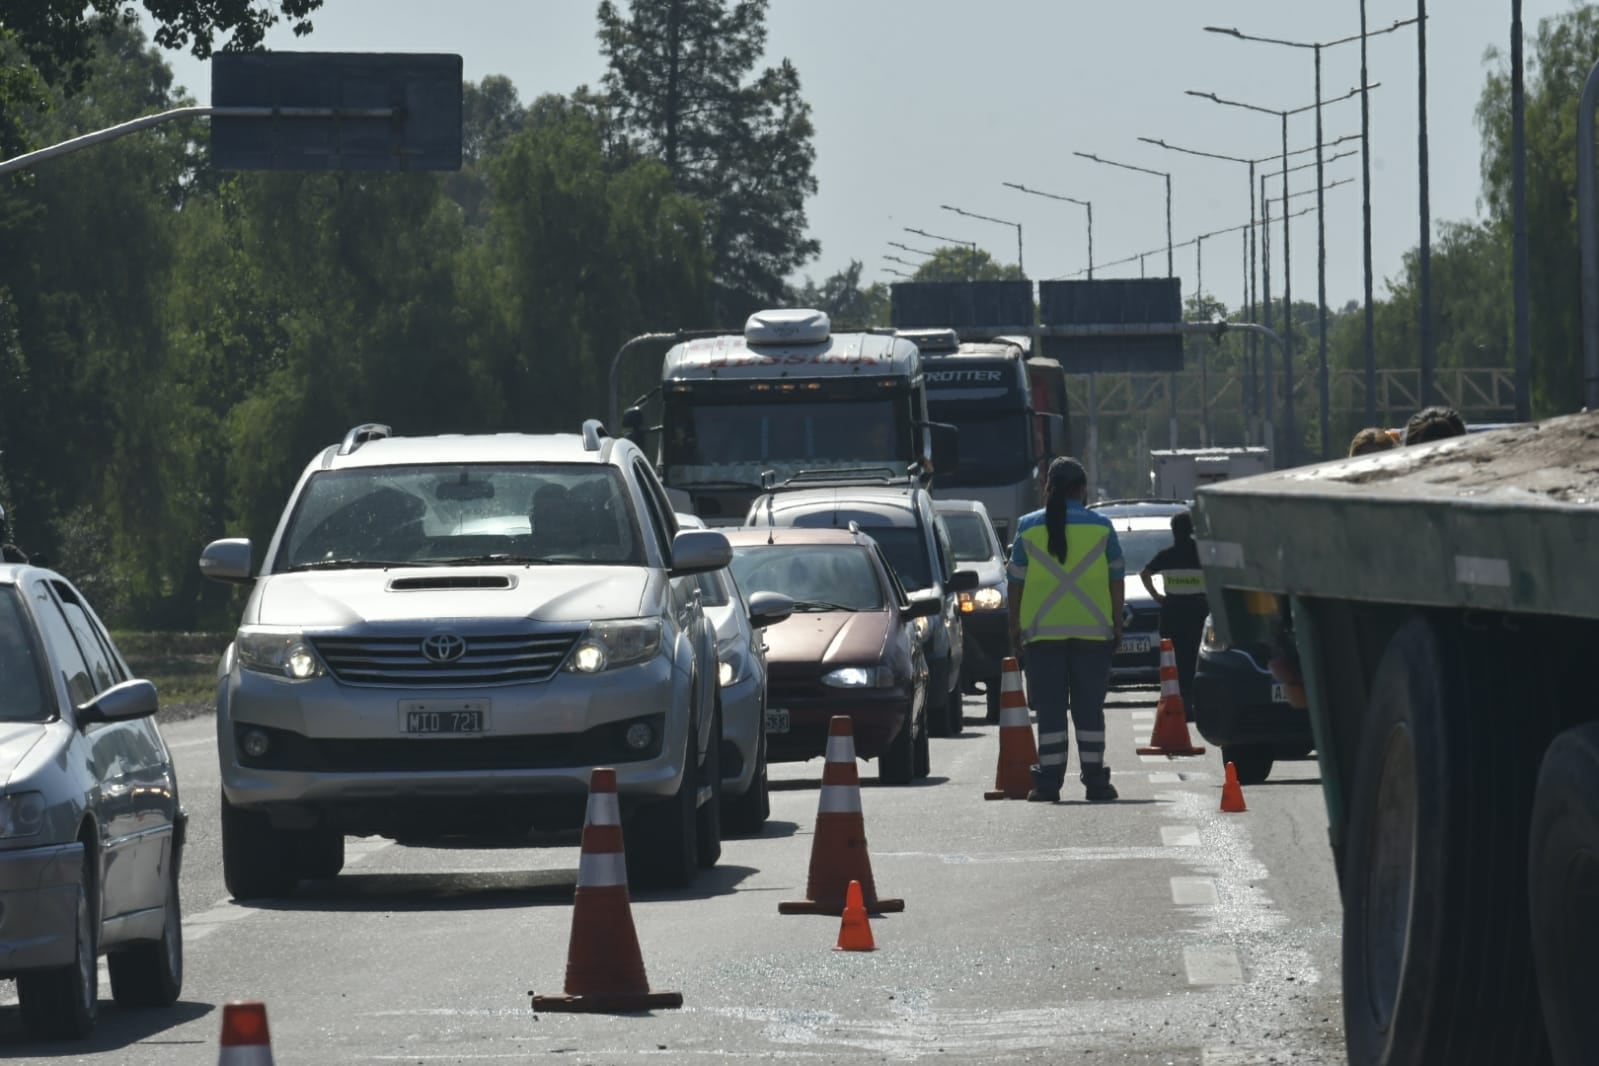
x=633, y=420
x=946, y=448
x=1055, y=434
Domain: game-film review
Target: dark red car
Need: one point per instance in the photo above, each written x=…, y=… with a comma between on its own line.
x=849, y=648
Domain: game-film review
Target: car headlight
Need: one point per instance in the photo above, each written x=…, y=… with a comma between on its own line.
x=861, y=677
x=21, y=814
x=991, y=598
x=278, y=652
x=923, y=626
x=1210, y=642
x=731, y=665
x=611, y=645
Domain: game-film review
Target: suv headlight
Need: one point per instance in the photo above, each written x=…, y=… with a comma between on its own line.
x=731, y=665
x=279, y=653
x=990, y=598
x=612, y=645
x=861, y=676
x=1210, y=642
x=21, y=814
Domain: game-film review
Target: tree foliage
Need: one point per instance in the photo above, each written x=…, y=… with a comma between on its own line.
x=846, y=301
x=964, y=263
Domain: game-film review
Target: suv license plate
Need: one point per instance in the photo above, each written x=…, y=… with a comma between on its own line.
x=454, y=717
x=776, y=720
x=1279, y=694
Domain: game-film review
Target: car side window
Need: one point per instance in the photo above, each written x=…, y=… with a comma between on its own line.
x=63, y=647
x=894, y=587
x=657, y=520
x=946, y=555
x=652, y=485
x=96, y=645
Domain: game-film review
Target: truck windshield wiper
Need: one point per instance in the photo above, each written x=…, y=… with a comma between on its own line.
x=359, y=564
x=821, y=605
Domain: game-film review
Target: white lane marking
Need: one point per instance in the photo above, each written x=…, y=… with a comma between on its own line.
x=1165, y=777
x=1477, y=570
x=183, y=745
x=1193, y=892
x=1213, y=966
x=1179, y=836
x=1229, y=1056
x=1088, y=854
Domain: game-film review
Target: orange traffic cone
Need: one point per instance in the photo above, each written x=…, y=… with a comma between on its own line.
x=1013, y=779
x=1232, y=796
x=604, y=970
x=838, y=849
x=245, y=1039
x=1170, y=735
x=855, y=931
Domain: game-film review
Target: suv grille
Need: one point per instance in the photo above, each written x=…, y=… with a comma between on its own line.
x=490, y=659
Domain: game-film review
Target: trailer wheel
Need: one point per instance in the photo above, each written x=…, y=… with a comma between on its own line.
x=1563, y=883
x=1436, y=964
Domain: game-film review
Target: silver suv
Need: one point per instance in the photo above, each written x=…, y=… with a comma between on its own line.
x=446, y=634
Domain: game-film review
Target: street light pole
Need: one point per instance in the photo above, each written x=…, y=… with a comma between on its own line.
x=997, y=221
x=1066, y=199
x=1518, y=185
x=1321, y=275
x=1429, y=357
x=1365, y=226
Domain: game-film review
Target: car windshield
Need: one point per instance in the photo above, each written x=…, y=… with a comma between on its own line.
x=22, y=691
x=1140, y=545
x=814, y=576
x=906, y=550
x=968, y=537
x=438, y=515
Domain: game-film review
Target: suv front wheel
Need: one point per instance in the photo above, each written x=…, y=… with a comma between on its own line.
x=662, y=839
x=255, y=855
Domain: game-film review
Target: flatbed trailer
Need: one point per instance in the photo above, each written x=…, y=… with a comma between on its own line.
x=1437, y=608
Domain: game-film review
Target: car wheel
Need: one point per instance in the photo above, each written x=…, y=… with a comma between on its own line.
x=897, y=765
x=923, y=755
x=708, y=833
x=747, y=814
x=991, y=689
x=61, y=1003
x=253, y=855
x=319, y=853
x=150, y=974
x=957, y=711
x=937, y=703
x=1253, y=761
x=659, y=839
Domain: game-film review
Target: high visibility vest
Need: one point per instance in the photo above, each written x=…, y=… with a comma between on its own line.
x=1070, y=600
x=1184, y=582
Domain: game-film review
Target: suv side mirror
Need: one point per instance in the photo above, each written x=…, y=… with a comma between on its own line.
x=226, y=560
x=699, y=551
x=769, y=608
x=964, y=581
x=923, y=606
x=120, y=703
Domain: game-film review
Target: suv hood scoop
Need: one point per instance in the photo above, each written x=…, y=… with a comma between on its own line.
x=452, y=581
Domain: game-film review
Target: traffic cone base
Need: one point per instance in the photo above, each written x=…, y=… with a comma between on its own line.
x=838, y=848
x=855, y=931
x=604, y=968
x=1232, y=795
x=1018, y=752
x=1170, y=735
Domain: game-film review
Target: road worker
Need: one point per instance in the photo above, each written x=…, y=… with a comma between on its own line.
x=1066, y=617
x=1182, y=602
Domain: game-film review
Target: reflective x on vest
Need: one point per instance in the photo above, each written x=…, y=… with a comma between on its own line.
x=1055, y=617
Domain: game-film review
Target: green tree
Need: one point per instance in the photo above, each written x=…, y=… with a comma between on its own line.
x=682, y=87
x=961, y=263
x=844, y=298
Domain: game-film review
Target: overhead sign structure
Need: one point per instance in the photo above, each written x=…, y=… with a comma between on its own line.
x=961, y=305
x=336, y=111
x=1123, y=304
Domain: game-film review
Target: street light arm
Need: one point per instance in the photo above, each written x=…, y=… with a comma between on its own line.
x=1234, y=32
x=1124, y=166
x=1047, y=195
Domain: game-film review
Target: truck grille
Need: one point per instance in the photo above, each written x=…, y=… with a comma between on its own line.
x=489, y=659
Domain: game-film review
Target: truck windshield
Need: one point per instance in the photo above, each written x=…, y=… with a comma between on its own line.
x=995, y=449
x=720, y=442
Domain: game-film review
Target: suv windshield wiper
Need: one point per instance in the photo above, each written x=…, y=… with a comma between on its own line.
x=822, y=605
x=359, y=564
x=495, y=557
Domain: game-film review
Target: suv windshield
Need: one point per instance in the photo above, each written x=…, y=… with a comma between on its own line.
x=436, y=515
x=814, y=576
x=21, y=693
x=1140, y=545
x=906, y=549
x=968, y=537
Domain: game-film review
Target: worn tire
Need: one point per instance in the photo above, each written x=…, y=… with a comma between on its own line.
x=256, y=857
x=1436, y=961
x=62, y=1003
x=318, y=853
x=1252, y=761
x=661, y=838
x=708, y=831
x=897, y=765
x=1563, y=890
x=746, y=814
x=150, y=974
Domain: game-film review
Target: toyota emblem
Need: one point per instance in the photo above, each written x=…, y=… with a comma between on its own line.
x=443, y=648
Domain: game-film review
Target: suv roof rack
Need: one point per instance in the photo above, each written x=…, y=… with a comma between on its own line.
x=363, y=433
x=593, y=430
x=872, y=475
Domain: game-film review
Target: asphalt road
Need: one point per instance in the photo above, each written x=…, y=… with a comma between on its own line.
x=1151, y=931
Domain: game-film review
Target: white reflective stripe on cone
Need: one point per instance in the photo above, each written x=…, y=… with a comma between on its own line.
x=601, y=870
x=840, y=749
x=1168, y=658
x=840, y=799
x=1014, y=716
x=1168, y=687
x=603, y=809
x=253, y=1055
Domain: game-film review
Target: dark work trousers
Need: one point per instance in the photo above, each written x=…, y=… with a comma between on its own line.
x=1184, y=624
x=1062, y=676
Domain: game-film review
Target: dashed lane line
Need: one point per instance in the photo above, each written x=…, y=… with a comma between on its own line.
x=1212, y=966
x=1179, y=836
x=1193, y=892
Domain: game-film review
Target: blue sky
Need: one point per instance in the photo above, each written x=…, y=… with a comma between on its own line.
x=919, y=103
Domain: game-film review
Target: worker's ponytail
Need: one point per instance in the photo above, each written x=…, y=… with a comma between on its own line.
x=1066, y=476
